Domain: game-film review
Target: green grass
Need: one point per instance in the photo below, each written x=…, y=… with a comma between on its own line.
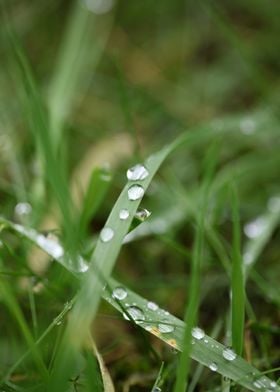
x=198, y=84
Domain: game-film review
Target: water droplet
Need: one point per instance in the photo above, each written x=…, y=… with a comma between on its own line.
x=156, y=389
x=255, y=228
x=106, y=234
x=137, y=172
x=124, y=214
x=135, y=192
x=165, y=328
x=119, y=293
x=198, y=333
x=99, y=7
x=257, y=384
x=213, y=366
x=50, y=245
x=135, y=313
x=229, y=354
x=248, y=258
x=82, y=265
x=23, y=208
x=142, y=214
x=152, y=306
x=247, y=126
x=59, y=322
x=273, y=384
x=206, y=341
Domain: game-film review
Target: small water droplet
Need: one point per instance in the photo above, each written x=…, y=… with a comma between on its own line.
x=124, y=214
x=156, y=389
x=50, y=245
x=247, y=126
x=152, y=306
x=229, y=354
x=165, y=328
x=119, y=293
x=206, y=341
x=135, y=313
x=273, y=384
x=106, y=234
x=135, y=192
x=198, y=333
x=59, y=322
x=23, y=208
x=142, y=214
x=137, y=172
x=255, y=228
x=213, y=366
x=257, y=384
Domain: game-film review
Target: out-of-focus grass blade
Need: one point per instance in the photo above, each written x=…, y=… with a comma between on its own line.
x=149, y=316
x=95, y=193
x=8, y=298
x=261, y=230
x=81, y=47
x=237, y=280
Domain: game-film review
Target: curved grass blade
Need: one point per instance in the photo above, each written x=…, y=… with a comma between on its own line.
x=207, y=351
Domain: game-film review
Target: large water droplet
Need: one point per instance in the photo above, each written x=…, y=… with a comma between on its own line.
x=51, y=246
x=152, y=306
x=198, y=333
x=213, y=366
x=106, y=234
x=137, y=172
x=124, y=214
x=229, y=354
x=119, y=293
x=135, y=192
x=165, y=328
x=135, y=313
x=23, y=208
x=142, y=214
x=273, y=384
x=255, y=228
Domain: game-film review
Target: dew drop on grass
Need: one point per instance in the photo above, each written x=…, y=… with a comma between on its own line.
x=106, y=234
x=135, y=313
x=137, y=172
x=142, y=214
x=50, y=245
x=198, y=333
x=124, y=214
x=255, y=228
x=135, y=192
x=273, y=384
x=152, y=306
x=119, y=293
x=165, y=328
x=229, y=354
x=156, y=389
x=23, y=208
x=213, y=366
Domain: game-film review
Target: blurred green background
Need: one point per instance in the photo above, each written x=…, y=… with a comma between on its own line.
x=115, y=81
